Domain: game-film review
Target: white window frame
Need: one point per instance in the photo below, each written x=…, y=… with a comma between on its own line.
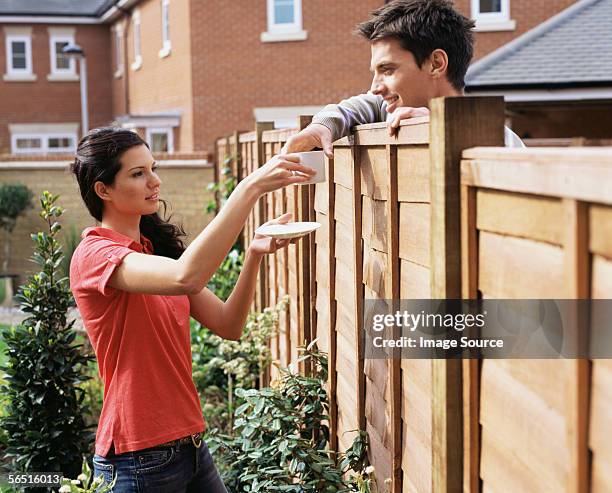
x=169, y=131
x=165, y=19
x=284, y=32
x=55, y=70
x=18, y=72
x=118, y=49
x=136, y=38
x=493, y=21
x=44, y=137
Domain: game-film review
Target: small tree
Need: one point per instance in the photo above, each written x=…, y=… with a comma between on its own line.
x=15, y=199
x=43, y=422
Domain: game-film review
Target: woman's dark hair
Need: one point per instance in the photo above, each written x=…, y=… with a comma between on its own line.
x=98, y=159
x=422, y=26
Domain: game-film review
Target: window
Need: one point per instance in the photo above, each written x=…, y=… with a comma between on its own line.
x=166, y=45
x=492, y=15
x=137, y=52
x=160, y=139
x=41, y=143
x=60, y=62
x=118, y=42
x=62, y=66
x=284, y=21
x=18, y=56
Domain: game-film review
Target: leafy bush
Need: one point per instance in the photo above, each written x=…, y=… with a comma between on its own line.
x=224, y=188
x=281, y=439
x=15, y=199
x=220, y=366
x=85, y=482
x=43, y=421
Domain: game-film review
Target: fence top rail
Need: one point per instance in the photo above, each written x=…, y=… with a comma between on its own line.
x=247, y=137
x=278, y=135
x=411, y=131
x=576, y=173
x=541, y=154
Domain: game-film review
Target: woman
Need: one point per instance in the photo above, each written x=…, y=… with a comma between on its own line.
x=136, y=285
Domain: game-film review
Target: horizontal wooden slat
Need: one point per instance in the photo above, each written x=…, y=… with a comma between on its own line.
x=600, y=228
x=518, y=268
x=343, y=206
x=602, y=278
x=533, y=442
x=374, y=172
x=380, y=456
x=581, y=173
x=374, y=223
x=414, y=240
x=375, y=273
x=321, y=198
x=344, y=245
x=415, y=281
x=416, y=463
x=522, y=215
x=343, y=167
x=413, y=174
x=411, y=131
x=600, y=429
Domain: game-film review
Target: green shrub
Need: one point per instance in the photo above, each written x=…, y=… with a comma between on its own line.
x=85, y=482
x=44, y=422
x=224, y=188
x=15, y=199
x=281, y=439
x=220, y=366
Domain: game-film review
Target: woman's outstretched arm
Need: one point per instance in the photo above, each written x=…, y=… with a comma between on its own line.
x=191, y=272
x=227, y=319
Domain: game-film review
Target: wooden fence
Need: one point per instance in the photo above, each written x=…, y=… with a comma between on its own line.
x=391, y=212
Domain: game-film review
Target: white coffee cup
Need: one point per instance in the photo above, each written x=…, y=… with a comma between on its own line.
x=316, y=160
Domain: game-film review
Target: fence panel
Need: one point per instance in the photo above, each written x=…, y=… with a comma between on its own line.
x=537, y=225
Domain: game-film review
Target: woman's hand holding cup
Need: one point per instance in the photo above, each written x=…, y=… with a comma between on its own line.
x=279, y=172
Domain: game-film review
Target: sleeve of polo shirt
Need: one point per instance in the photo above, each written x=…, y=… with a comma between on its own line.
x=100, y=257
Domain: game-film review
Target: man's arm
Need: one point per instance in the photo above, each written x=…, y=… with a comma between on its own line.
x=335, y=121
x=357, y=110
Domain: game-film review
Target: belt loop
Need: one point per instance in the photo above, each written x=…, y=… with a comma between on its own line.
x=196, y=439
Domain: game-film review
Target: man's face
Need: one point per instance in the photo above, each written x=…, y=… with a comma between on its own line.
x=397, y=77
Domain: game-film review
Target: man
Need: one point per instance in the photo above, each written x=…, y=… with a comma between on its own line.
x=421, y=49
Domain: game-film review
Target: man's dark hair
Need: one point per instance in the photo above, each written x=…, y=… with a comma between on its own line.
x=422, y=26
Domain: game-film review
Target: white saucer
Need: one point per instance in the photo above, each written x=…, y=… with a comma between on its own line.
x=289, y=230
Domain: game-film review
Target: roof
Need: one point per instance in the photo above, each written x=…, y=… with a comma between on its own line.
x=571, y=49
x=64, y=8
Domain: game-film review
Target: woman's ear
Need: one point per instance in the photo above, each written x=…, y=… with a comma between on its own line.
x=101, y=190
x=439, y=63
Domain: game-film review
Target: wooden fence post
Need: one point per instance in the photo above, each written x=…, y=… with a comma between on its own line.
x=456, y=124
x=261, y=298
x=306, y=261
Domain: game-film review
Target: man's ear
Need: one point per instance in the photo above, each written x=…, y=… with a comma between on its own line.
x=101, y=190
x=439, y=63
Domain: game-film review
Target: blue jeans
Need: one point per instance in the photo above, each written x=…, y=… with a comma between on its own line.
x=178, y=468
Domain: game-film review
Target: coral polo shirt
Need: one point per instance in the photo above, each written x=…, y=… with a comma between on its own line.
x=142, y=344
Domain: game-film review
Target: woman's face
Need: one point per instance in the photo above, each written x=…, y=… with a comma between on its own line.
x=135, y=190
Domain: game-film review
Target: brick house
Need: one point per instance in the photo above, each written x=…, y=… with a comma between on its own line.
x=183, y=72
x=557, y=77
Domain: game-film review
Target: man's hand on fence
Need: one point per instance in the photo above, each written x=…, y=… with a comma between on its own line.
x=262, y=245
x=279, y=172
x=314, y=135
x=403, y=113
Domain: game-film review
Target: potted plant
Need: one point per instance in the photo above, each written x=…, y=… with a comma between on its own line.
x=15, y=199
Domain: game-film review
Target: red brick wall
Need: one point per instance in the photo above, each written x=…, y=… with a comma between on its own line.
x=233, y=71
x=162, y=84
x=527, y=14
x=43, y=101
